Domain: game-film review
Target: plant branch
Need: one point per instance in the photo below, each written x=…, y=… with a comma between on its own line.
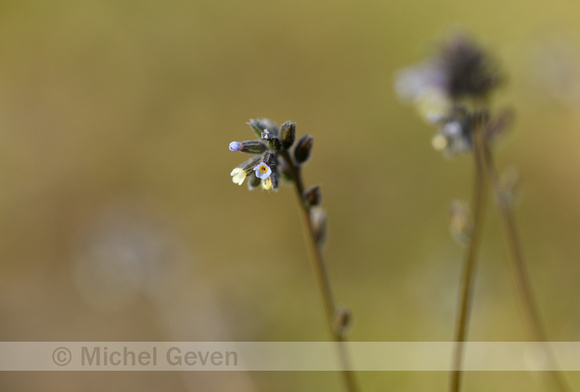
x=469, y=264
x=322, y=277
x=523, y=283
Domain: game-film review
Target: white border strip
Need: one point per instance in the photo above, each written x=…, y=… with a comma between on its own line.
x=285, y=356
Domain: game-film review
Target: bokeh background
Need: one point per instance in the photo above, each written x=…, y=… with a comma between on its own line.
x=119, y=221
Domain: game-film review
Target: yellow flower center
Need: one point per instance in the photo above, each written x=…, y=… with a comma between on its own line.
x=263, y=169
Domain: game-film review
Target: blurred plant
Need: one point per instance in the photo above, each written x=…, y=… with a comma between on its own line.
x=452, y=91
x=273, y=158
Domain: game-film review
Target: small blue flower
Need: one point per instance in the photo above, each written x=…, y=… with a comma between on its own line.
x=262, y=171
x=235, y=146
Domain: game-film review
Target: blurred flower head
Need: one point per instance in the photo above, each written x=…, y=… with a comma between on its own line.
x=461, y=70
x=448, y=89
x=468, y=70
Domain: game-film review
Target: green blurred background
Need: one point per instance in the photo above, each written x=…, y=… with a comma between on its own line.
x=119, y=220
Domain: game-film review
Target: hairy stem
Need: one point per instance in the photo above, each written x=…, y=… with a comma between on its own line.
x=469, y=264
x=321, y=273
x=518, y=265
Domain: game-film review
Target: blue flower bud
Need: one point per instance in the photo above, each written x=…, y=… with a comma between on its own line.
x=235, y=146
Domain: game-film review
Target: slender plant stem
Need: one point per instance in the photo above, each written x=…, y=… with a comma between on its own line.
x=321, y=273
x=522, y=278
x=469, y=264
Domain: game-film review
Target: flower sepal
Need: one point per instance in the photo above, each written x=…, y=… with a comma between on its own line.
x=259, y=126
x=303, y=149
x=287, y=134
x=250, y=146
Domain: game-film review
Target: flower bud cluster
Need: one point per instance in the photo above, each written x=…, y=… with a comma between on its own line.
x=265, y=167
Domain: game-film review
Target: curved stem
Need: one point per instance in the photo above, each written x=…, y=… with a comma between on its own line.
x=321, y=273
x=518, y=265
x=469, y=264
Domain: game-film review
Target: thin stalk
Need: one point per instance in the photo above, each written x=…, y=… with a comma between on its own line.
x=521, y=275
x=469, y=264
x=321, y=273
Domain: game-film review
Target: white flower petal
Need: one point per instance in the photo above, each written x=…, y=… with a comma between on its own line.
x=238, y=176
